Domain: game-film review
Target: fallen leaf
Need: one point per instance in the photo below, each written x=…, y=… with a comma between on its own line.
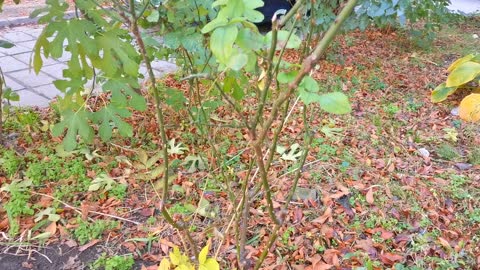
x=88, y=245
x=326, y=215
x=369, y=196
x=390, y=258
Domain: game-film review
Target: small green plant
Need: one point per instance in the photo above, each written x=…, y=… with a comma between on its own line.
x=447, y=152
x=474, y=156
x=391, y=109
x=18, y=203
x=88, y=231
x=113, y=263
x=182, y=262
x=457, y=187
x=10, y=162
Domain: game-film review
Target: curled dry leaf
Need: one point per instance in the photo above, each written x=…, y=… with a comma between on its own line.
x=326, y=215
x=369, y=196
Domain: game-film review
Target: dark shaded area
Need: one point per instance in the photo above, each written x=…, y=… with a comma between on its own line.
x=271, y=6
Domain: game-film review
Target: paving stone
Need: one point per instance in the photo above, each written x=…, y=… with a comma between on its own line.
x=16, y=36
x=30, y=99
x=55, y=70
x=30, y=78
x=8, y=64
x=28, y=44
x=12, y=83
x=15, y=50
x=34, y=32
x=49, y=91
x=25, y=58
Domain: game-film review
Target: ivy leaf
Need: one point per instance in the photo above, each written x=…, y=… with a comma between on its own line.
x=111, y=116
x=336, y=103
x=76, y=123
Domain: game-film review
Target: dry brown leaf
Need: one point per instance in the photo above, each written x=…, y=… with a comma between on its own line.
x=369, y=196
x=326, y=215
x=52, y=228
x=390, y=258
x=88, y=245
x=444, y=243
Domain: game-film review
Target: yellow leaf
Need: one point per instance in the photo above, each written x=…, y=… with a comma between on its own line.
x=202, y=257
x=164, y=265
x=463, y=74
x=176, y=256
x=469, y=109
x=210, y=264
x=460, y=61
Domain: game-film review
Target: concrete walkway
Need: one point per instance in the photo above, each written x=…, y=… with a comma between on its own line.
x=38, y=90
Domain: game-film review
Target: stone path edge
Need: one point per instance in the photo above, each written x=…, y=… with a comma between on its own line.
x=26, y=20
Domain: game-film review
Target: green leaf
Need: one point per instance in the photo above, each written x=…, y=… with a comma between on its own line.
x=123, y=87
x=441, y=92
x=111, y=116
x=118, y=53
x=77, y=34
x=215, y=23
x=463, y=74
x=336, y=103
x=249, y=40
x=231, y=86
x=154, y=16
x=5, y=44
x=175, y=98
x=237, y=61
x=287, y=77
x=293, y=43
x=308, y=90
x=76, y=124
x=221, y=42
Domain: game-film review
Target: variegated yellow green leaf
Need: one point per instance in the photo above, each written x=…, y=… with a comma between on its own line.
x=460, y=61
x=463, y=74
x=441, y=92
